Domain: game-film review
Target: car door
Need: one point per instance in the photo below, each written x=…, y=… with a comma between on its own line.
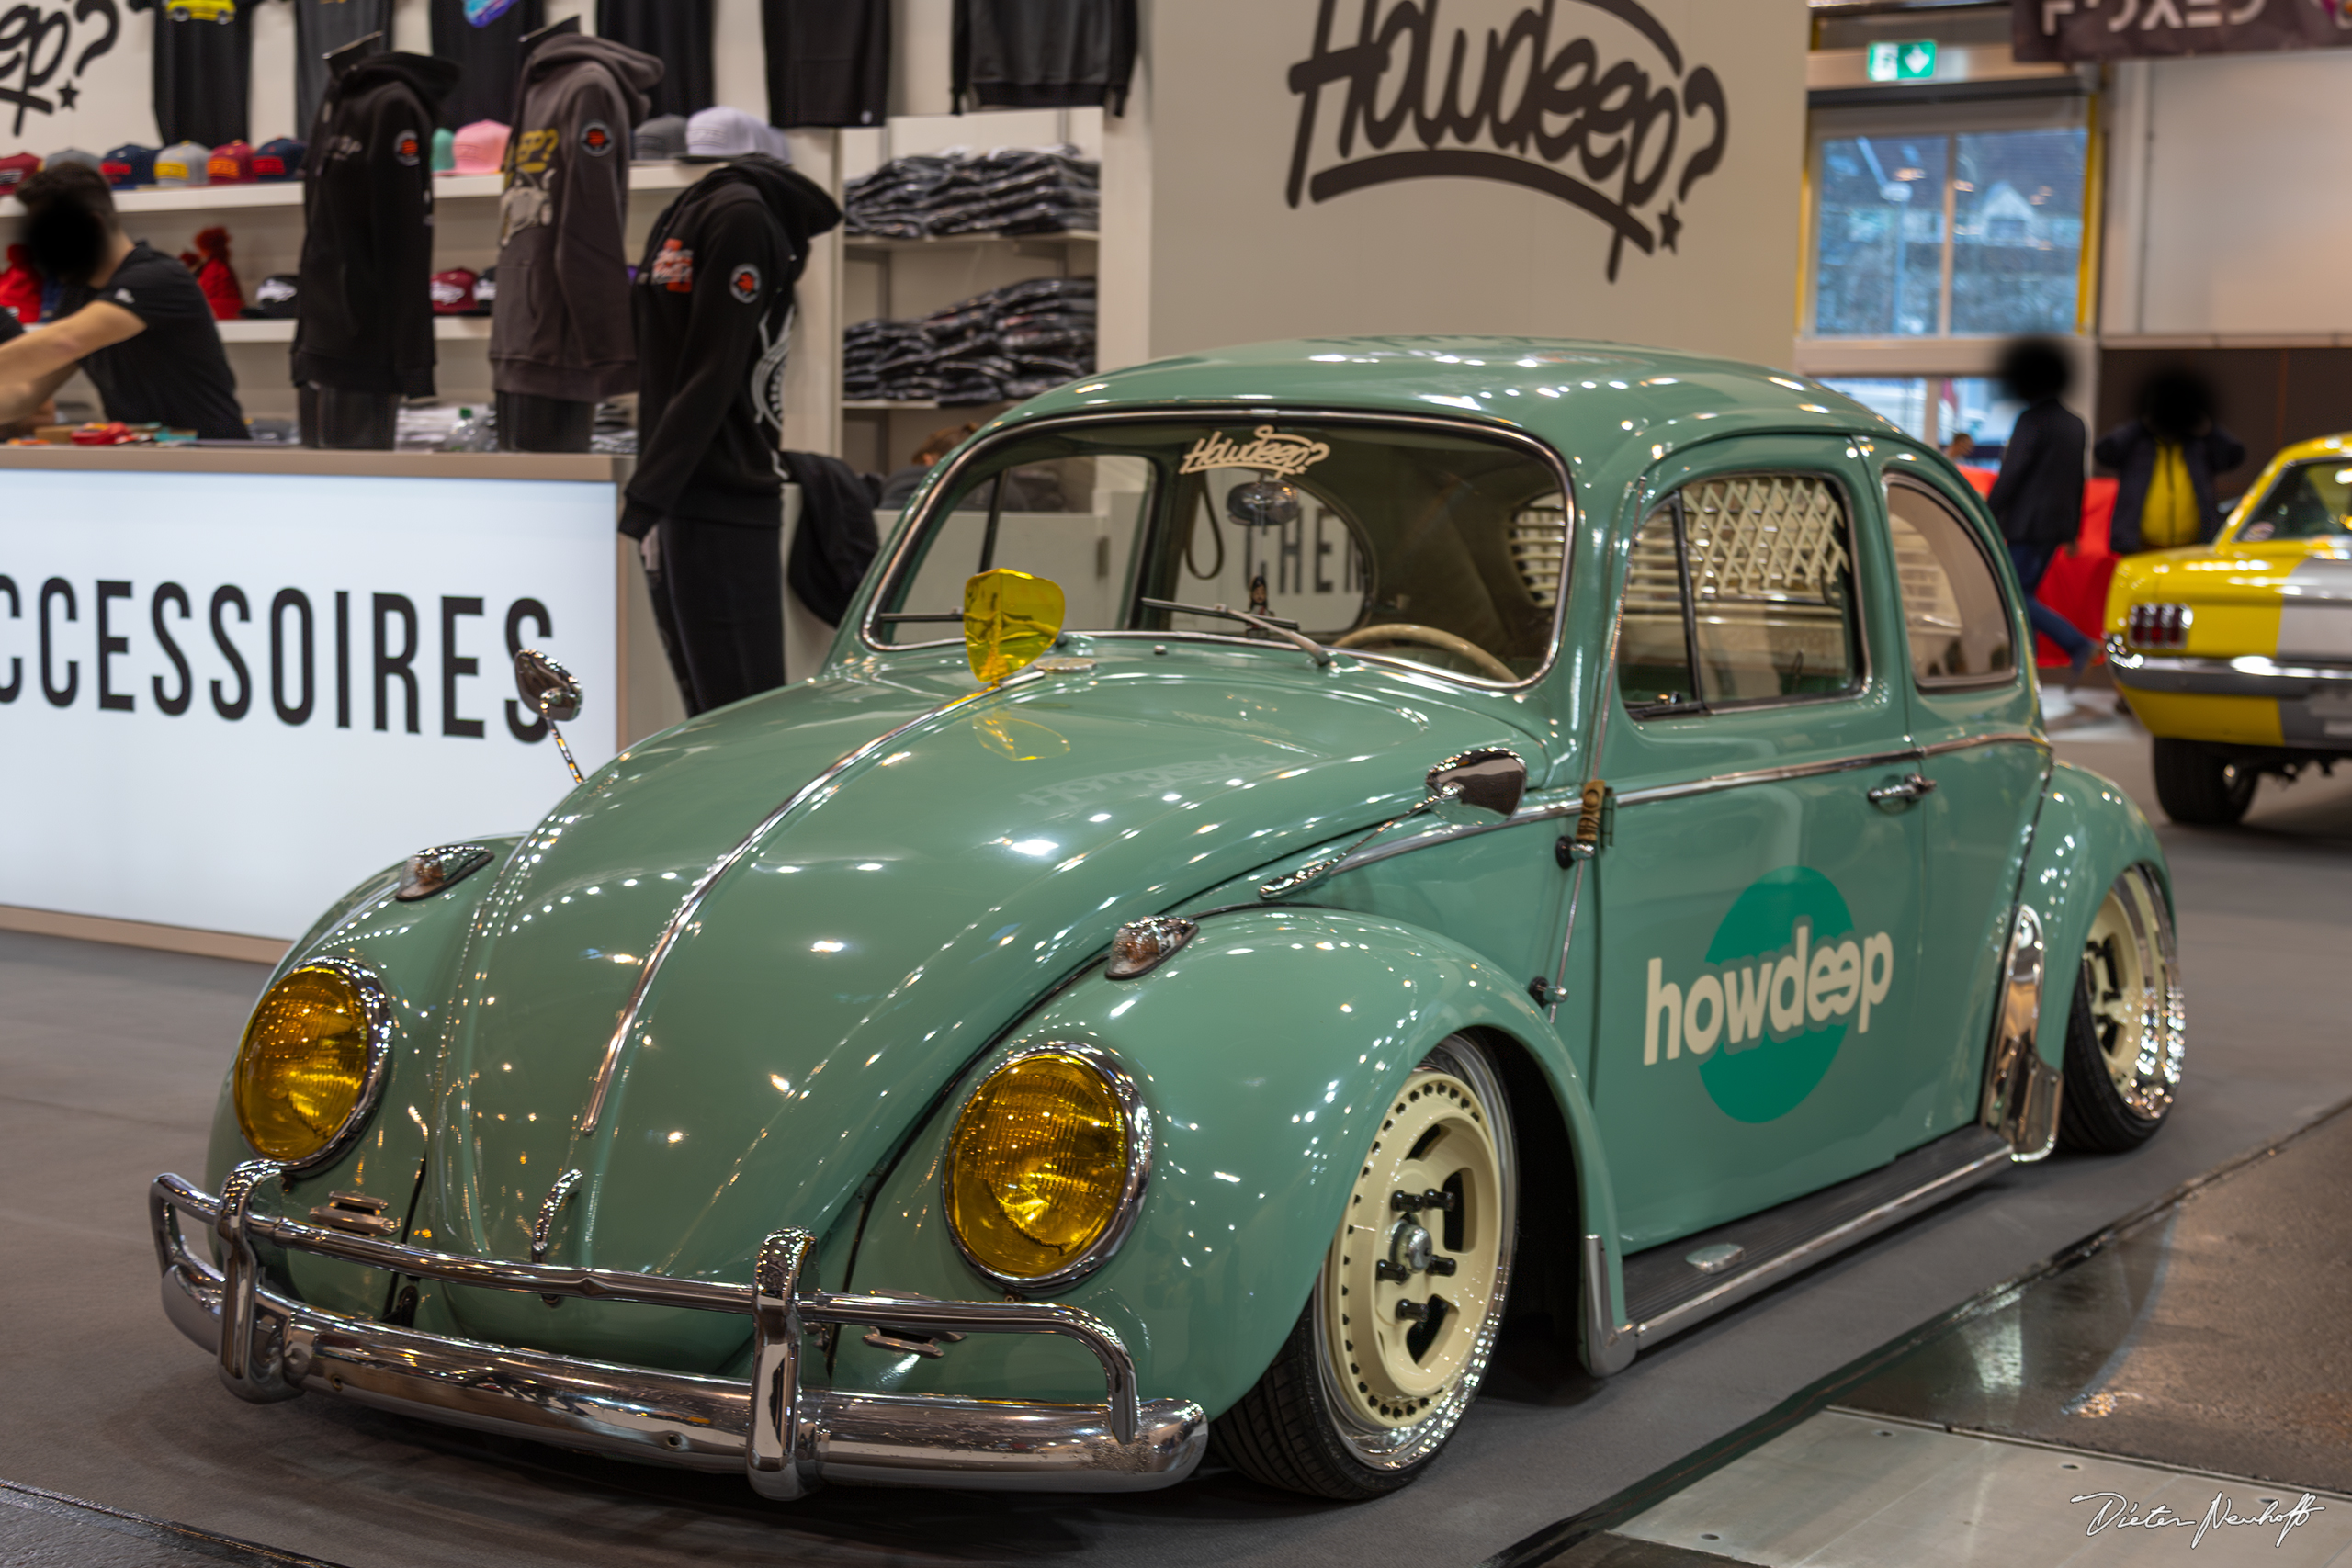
x=1972, y=714
x=1759, y=916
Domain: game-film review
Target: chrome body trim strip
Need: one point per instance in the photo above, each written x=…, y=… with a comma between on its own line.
x=2247, y=676
x=1772, y=1271
x=1908, y=756
x=784, y=1442
x=659, y=954
x=938, y=484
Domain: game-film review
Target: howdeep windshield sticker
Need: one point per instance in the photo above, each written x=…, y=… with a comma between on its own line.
x=1787, y=980
x=1274, y=451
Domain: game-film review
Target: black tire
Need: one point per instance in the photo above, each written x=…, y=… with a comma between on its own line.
x=2124, y=1028
x=2199, y=787
x=1296, y=1429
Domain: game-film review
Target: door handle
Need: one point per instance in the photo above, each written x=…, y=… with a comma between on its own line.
x=1908, y=789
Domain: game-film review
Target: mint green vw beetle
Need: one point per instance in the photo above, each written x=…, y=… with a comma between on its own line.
x=1297, y=854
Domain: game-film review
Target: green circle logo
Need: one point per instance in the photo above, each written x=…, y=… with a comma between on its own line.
x=1779, y=940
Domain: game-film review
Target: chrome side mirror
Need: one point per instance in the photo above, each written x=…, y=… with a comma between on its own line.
x=552, y=692
x=1263, y=503
x=1490, y=778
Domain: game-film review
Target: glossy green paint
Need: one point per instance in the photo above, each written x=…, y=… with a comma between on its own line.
x=1266, y=1051
x=799, y=1059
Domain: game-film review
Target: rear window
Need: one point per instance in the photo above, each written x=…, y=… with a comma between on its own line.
x=1436, y=548
x=2307, y=501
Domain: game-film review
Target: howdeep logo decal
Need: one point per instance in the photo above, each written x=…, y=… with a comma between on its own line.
x=1538, y=104
x=1787, y=979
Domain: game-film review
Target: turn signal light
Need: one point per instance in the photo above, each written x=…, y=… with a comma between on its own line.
x=311, y=1062
x=2159, y=625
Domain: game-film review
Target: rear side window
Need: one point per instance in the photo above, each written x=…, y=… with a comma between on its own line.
x=1740, y=589
x=1953, y=614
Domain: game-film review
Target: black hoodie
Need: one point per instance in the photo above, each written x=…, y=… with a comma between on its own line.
x=713, y=308
x=364, y=309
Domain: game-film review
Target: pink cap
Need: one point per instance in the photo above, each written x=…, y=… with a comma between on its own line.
x=480, y=148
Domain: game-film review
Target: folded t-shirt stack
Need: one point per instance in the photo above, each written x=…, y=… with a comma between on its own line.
x=1013, y=190
x=1008, y=343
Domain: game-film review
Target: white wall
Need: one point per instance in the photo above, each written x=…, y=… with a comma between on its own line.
x=1231, y=260
x=2230, y=197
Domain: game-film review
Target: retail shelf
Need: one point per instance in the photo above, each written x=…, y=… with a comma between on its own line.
x=943, y=242
x=288, y=193
x=280, y=329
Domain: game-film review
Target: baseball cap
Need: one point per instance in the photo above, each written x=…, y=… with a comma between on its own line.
x=231, y=164
x=280, y=160
x=128, y=166
x=480, y=148
x=719, y=132
x=183, y=164
x=274, y=296
x=452, y=292
x=664, y=136
x=485, y=290
x=445, y=150
x=17, y=168
x=74, y=155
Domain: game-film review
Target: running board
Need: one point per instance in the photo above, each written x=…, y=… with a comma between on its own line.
x=1665, y=1292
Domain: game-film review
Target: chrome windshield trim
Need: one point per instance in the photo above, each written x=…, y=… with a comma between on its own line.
x=2246, y=676
x=925, y=503
x=691, y=904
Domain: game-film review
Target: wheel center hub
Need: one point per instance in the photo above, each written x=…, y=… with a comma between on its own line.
x=1411, y=1247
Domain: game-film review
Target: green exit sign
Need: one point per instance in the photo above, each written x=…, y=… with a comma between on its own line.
x=1911, y=61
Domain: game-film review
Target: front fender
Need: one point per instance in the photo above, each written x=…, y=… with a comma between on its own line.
x=2088, y=834
x=1267, y=1049
x=414, y=949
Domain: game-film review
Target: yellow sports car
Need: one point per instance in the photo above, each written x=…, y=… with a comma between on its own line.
x=2237, y=655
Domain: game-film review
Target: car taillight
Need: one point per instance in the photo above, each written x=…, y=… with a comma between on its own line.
x=2160, y=625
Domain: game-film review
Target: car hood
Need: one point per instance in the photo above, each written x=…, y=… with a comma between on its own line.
x=870, y=942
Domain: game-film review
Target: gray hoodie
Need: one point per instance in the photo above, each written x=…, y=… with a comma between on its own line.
x=561, y=327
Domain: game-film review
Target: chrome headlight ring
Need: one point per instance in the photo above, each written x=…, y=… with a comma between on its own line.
x=1135, y=1114
x=376, y=1003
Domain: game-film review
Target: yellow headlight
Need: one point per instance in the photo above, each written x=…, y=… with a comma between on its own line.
x=303, y=1069
x=1038, y=1166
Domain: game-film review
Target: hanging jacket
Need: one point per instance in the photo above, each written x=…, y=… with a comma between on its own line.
x=2130, y=449
x=837, y=539
x=560, y=327
x=364, y=316
x=713, y=308
x=1044, y=54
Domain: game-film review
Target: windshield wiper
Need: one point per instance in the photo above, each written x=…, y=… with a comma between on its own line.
x=1287, y=630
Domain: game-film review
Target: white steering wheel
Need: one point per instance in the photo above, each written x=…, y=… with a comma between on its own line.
x=1430, y=636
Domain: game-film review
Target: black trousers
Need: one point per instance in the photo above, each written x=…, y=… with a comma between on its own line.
x=718, y=591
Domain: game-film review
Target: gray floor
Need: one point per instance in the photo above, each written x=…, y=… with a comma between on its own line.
x=111, y=1060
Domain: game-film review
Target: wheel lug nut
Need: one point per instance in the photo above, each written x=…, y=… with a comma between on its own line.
x=1441, y=1265
x=1412, y=1312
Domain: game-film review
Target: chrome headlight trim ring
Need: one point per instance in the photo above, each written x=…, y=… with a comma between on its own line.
x=376, y=1003
x=1128, y=1092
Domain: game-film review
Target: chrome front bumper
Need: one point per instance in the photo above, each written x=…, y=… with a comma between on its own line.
x=784, y=1436
x=2250, y=675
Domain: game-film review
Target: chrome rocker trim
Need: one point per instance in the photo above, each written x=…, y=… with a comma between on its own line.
x=784, y=1436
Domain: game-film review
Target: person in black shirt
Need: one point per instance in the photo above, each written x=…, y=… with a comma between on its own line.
x=134, y=318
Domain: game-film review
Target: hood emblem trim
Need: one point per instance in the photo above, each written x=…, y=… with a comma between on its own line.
x=691, y=904
x=543, y=1228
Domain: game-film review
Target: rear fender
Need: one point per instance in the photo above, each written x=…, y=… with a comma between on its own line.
x=2089, y=833
x=1266, y=1051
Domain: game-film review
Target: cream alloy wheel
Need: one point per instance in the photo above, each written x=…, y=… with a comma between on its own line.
x=1394, y=1342
x=2126, y=1036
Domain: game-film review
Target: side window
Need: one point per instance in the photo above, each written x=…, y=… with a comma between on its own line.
x=1952, y=610
x=1759, y=571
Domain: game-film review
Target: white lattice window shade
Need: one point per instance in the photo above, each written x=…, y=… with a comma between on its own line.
x=1770, y=538
x=1538, y=541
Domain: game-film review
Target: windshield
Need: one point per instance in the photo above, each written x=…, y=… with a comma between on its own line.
x=2308, y=501
x=1438, y=547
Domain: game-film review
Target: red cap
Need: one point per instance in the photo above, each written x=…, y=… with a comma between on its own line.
x=17, y=168
x=453, y=292
x=231, y=164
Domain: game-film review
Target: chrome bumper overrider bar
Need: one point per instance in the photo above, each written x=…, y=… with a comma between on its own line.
x=2247, y=676
x=784, y=1436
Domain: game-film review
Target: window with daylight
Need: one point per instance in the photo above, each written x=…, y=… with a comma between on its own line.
x=1945, y=233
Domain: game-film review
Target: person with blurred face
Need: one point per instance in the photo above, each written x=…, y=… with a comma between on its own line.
x=2037, y=498
x=2167, y=458
x=133, y=318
